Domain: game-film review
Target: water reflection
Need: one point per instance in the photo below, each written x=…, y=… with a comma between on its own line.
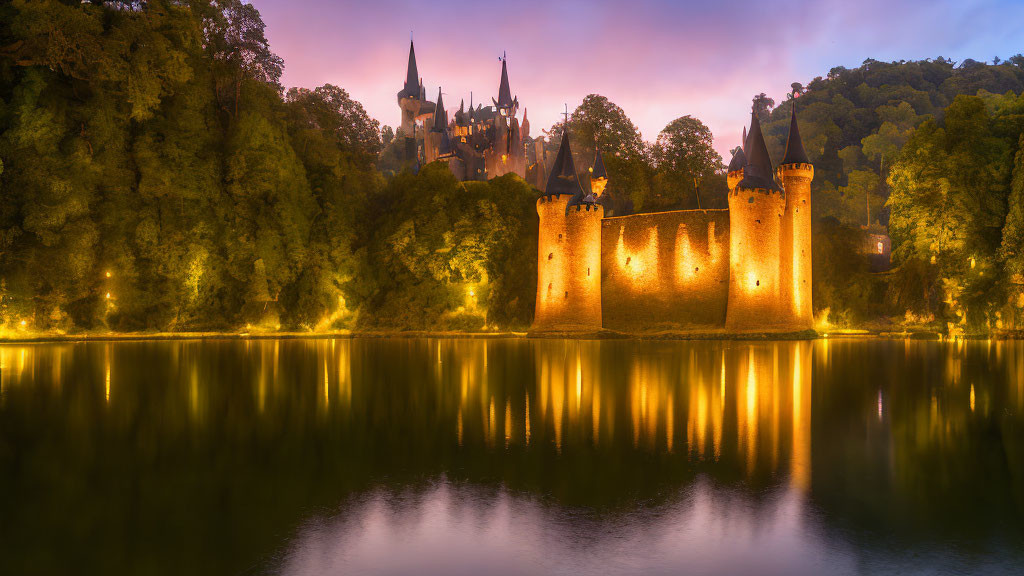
x=553, y=456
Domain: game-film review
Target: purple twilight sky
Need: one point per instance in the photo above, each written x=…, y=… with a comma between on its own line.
x=658, y=60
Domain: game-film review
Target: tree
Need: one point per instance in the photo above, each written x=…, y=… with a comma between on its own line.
x=600, y=124
x=950, y=186
x=763, y=106
x=329, y=108
x=685, y=157
x=236, y=40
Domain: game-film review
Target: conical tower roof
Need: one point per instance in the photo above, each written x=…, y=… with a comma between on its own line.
x=795, y=153
x=440, y=116
x=598, y=170
x=563, y=178
x=504, y=92
x=739, y=159
x=412, y=82
x=758, y=172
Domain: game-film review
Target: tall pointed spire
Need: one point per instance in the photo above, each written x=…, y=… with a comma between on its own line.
x=743, y=144
x=440, y=116
x=757, y=173
x=504, y=92
x=563, y=178
x=412, y=76
x=795, y=153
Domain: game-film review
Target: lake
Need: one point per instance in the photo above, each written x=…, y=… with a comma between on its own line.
x=512, y=456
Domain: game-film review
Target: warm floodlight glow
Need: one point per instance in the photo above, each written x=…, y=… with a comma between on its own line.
x=107, y=296
x=636, y=263
x=752, y=282
x=108, y=274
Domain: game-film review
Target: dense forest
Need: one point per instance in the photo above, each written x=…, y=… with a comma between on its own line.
x=156, y=175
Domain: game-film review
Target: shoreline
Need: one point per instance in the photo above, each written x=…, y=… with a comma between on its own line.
x=555, y=334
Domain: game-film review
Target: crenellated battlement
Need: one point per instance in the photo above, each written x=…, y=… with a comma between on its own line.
x=797, y=170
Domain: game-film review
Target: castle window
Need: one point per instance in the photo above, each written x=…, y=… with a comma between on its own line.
x=758, y=283
x=559, y=236
x=881, y=248
x=566, y=293
x=758, y=221
x=628, y=258
x=588, y=271
x=750, y=200
x=696, y=268
x=551, y=255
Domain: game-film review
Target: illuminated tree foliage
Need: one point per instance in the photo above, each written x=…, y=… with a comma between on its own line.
x=951, y=187
x=157, y=176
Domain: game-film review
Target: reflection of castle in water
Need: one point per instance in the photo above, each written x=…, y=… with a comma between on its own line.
x=740, y=408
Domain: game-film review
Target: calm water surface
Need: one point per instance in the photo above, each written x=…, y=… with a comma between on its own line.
x=399, y=456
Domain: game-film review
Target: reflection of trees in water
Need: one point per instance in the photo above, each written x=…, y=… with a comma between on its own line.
x=229, y=441
x=925, y=441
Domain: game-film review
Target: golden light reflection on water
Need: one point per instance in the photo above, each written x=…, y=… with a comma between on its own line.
x=883, y=428
x=748, y=405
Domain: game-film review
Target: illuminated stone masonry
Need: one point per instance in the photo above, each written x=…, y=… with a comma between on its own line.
x=745, y=269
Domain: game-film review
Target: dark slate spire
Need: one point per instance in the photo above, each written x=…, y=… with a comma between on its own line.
x=460, y=115
x=440, y=116
x=504, y=92
x=757, y=173
x=563, y=178
x=412, y=82
x=598, y=170
x=794, y=145
x=739, y=159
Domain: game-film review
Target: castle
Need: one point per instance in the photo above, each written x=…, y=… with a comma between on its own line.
x=743, y=269
x=479, y=144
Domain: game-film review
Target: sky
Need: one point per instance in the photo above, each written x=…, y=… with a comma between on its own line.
x=658, y=60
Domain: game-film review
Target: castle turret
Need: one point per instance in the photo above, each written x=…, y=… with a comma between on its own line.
x=437, y=142
x=568, y=251
x=796, y=173
x=739, y=159
x=756, y=208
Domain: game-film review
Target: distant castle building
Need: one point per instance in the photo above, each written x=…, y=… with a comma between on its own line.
x=744, y=269
x=478, y=144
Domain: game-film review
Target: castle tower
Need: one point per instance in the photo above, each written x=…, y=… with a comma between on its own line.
x=739, y=159
x=409, y=95
x=756, y=208
x=796, y=172
x=568, y=251
x=507, y=154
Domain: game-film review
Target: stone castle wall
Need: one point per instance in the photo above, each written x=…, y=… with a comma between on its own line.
x=665, y=270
